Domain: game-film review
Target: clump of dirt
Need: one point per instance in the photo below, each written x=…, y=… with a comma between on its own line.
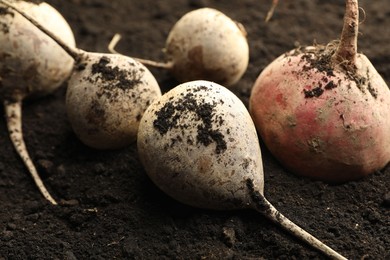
x=315, y=92
x=5, y=11
x=114, y=77
x=320, y=57
x=4, y=27
x=169, y=116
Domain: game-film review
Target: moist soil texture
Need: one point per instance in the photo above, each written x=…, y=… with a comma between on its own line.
x=111, y=210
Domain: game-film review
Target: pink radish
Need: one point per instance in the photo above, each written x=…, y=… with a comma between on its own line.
x=199, y=145
x=31, y=65
x=204, y=44
x=107, y=95
x=323, y=111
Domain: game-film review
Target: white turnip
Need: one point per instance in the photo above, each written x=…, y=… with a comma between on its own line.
x=323, y=111
x=106, y=96
x=204, y=44
x=31, y=65
x=199, y=145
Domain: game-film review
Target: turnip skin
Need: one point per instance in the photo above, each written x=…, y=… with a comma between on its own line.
x=176, y=152
x=106, y=113
x=324, y=111
x=341, y=135
x=206, y=44
x=32, y=64
x=199, y=145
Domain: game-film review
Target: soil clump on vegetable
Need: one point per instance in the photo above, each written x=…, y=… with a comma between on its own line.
x=109, y=209
x=169, y=115
x=114, y=74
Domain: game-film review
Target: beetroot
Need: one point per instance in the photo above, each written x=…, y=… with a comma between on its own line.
x=324, y=111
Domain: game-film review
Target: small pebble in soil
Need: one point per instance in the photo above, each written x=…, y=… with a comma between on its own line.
x=130, y=248
x=11, y=226
x=99, y=168
x=69, y=255
x=69, y=203
x=7, y=235
x=386, y=200
x=61, y=170
x=45, y=167
x=229, y=236
x=33, y=217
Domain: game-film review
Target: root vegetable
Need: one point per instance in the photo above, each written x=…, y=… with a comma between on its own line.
x=106, y=96
x=205, y=44
x=199, y=145
x=31, y=65
x=323, y=111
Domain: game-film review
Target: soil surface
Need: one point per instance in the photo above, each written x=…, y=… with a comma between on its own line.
x=113, y=211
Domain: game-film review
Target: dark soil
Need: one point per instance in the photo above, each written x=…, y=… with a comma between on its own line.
x=113, y=211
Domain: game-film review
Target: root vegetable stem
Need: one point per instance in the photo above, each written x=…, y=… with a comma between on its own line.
x=162, y=65
x=262, y=205
x=347, y=49
x=271, y=10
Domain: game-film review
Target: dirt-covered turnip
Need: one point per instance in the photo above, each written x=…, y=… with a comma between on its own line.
x=199, y=145
x=324, y=111
x=106, y=95
x=106, y=99
x=31, y=65
x=205, y=44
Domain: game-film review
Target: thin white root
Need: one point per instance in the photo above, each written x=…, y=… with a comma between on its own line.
x=363, y=14
x=271, y=11
x=13, y=113
x=262, y=205
x=114, y=41
x=162, y=65
x=297, y=231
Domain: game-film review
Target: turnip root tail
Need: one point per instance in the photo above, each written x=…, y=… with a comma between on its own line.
x=347, y=49
x=262, y=205
x=73, y=52
x=162, y=65
x=13, y=113
x=271, y=10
